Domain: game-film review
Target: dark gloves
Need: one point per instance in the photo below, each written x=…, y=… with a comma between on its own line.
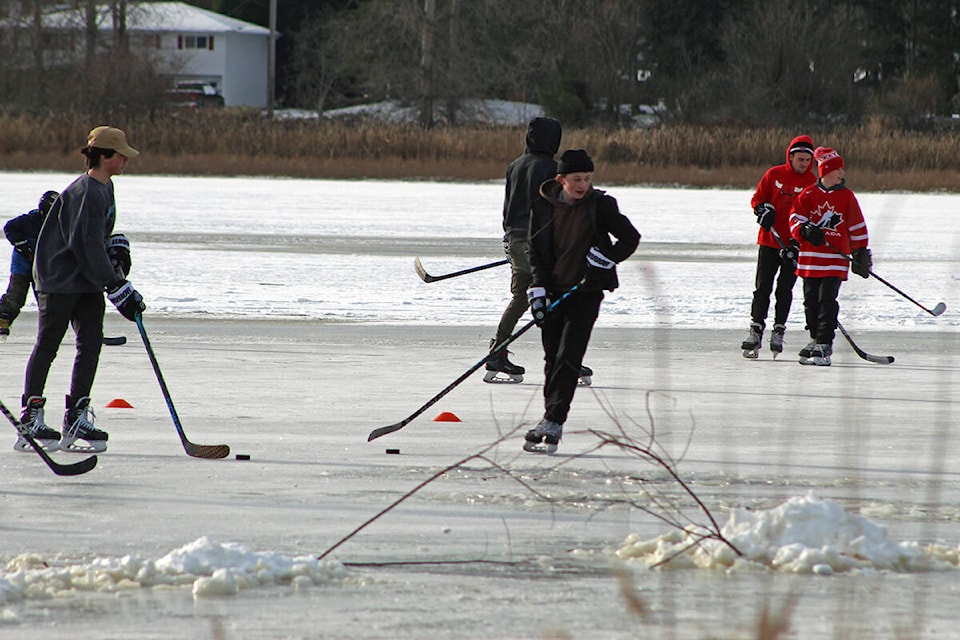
x=598, y=266
x=812, y=233
x=25, y=248
x=861, y=261
x=790, y=253
x=118, y=248
x=537, y=297
x=126, y=299
x=765, y=213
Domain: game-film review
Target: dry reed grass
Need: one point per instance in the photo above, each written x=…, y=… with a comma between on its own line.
x=238, y=142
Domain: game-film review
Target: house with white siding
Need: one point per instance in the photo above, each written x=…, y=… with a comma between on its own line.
x=188, y=43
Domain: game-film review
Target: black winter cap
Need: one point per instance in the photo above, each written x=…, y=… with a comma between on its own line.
x=575, y=161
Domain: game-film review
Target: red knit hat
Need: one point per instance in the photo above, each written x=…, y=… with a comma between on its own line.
x=827, y=160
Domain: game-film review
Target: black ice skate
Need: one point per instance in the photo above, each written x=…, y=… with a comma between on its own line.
x=501, y=370
x=819, y=355
x=751, y=346
x=31, y=423
x=78, y=425
x=776, y=339
x=544, y=438
x=586, y=376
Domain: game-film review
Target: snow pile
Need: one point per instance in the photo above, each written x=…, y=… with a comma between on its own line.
x=803, y=535
x=212, y=568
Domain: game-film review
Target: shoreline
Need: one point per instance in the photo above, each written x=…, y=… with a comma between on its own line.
x=608, y=173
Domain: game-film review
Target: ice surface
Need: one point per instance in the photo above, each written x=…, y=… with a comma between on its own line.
x=289, y=323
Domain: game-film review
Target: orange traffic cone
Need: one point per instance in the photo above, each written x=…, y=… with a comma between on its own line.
x=119, y=403
x=446, y=416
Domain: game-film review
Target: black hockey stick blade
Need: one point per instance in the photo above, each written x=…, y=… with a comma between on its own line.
x=863, y=354
x=382, y=431
x=115, y=342
x=192, y=449
x=426, y=277
x=74, y=469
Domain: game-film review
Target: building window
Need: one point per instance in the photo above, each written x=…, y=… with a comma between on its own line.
x=195, y=42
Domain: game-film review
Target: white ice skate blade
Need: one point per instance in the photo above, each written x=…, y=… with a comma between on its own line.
x=84, y=446
x=536, y=447
x=497, y=377
x=22, y=446
x=751, y=354
x=585, y=381
x=819, y=362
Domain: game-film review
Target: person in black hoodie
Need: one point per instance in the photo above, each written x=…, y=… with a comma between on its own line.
x=524, y=177
x=572, y=254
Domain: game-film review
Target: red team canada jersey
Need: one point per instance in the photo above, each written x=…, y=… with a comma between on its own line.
x=837, y=212
x=779, y=186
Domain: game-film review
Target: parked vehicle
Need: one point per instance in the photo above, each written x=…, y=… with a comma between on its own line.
x=194, y=95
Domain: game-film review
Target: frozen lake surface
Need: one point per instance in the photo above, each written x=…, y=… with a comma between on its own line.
x=289, y=323
x=343, y=250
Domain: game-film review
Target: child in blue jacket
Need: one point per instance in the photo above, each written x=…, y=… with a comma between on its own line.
x=22, y=232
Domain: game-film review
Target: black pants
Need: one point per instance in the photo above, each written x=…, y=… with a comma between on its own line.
x=84, y=311
x=768, y=263
x=821, y=308
x=16, y=296
x=565, y=335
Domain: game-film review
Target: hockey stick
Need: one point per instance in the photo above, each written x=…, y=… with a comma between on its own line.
x=195, y=450
x=382, y=431
x=426, y=277
x=75, y=469
x=860, y=352
x=936, y=311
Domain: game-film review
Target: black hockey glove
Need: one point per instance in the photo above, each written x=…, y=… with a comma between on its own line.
x=861, y=262
x=812, y=233
x=126, y=299
x=118, y=248
x=24, y=248
x=790, y=253
x=765, y=213
x=537, y=297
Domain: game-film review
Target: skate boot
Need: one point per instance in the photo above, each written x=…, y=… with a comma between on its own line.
x=78, y=425
x=776, y=339
x=586, y=376
x=543, y=438
x=4, y=328
x=31, y=424
x=807, y=351
x=751, y=346
x=819, y=355
x=500, y=369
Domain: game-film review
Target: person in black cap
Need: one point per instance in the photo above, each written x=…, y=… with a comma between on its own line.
x=524, y=177
x=577, y=238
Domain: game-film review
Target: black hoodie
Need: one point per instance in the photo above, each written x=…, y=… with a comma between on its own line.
x=527, y=173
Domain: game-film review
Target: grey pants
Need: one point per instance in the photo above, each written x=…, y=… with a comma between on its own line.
x=520, y=281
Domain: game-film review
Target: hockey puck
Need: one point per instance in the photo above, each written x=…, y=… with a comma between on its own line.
x=243, y=456
x=394, y=451
x=115, y=342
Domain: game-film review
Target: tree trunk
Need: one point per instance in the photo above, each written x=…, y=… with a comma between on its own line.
x=426, y=64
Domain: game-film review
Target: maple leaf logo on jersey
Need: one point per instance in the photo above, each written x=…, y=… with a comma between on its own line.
x=827, y=217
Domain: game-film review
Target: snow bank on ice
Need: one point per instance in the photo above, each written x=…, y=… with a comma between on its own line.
x=212, y=568
x=802, y=535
